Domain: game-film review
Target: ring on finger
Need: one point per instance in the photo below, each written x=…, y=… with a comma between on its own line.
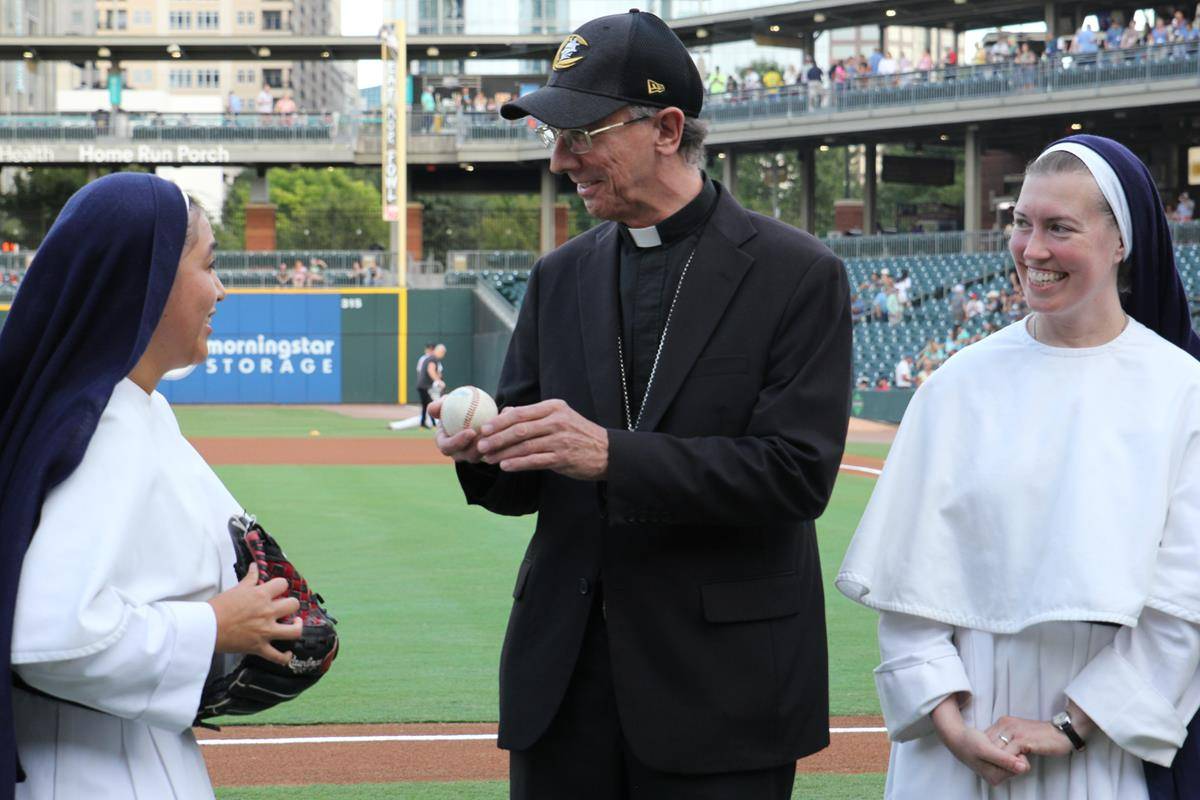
x=1005, y=739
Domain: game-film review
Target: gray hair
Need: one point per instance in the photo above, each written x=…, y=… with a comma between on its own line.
x=691, y=143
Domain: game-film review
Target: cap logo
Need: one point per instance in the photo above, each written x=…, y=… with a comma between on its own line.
x=569, y=54
x=654, y=87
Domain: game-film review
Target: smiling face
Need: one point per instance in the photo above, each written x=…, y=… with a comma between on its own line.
x=181, y=338
x=1067, y=248
x=616, y=179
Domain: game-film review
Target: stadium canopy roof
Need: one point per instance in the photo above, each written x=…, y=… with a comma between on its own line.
x=787, y=24
x=795, y=20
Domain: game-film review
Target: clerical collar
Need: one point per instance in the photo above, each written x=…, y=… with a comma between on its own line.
x=681, y=223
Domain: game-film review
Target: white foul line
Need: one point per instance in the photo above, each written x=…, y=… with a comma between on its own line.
x=856, y=468
x=440, y=737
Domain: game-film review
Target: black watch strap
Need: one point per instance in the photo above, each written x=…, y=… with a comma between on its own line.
x=1062, y=721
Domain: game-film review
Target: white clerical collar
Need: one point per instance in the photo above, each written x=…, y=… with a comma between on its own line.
x=645, y=237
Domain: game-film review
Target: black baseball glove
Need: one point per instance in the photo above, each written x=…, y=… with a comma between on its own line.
x=256, y=684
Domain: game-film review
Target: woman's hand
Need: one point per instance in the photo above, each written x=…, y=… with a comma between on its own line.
x=985, y=757
x=1027, y=736
x=248, y=617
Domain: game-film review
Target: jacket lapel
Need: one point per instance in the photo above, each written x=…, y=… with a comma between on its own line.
x=716, y=272
x=599, y=317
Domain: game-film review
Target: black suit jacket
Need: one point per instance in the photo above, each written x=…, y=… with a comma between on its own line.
x=702, y=535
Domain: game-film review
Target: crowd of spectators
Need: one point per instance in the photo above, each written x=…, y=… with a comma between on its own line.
x=882, y=297
x=464, y=99
x=316, y=274
x=904, y=67
x=994, y=309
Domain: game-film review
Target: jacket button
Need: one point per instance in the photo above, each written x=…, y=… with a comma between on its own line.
x=584, y=587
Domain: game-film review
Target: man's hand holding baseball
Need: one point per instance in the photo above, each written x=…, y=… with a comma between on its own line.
x=546, y=435
x=460, y=446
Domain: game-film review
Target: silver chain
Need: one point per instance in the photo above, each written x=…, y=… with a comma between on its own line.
x=630, y=422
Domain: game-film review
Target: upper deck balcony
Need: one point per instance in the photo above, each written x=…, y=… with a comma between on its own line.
x=866, y=107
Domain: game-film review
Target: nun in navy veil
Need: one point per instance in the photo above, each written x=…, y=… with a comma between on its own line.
x=1033, y=544
x=118, y=588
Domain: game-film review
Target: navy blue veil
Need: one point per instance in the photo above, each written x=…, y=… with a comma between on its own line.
x=1158, y=301
x=81, y=320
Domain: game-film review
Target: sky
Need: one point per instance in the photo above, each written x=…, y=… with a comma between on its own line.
x=363, y=18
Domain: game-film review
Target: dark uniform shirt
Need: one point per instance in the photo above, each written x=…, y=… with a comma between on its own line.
x=648, y=278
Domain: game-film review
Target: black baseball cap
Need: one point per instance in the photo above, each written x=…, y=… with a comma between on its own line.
x=610, y=62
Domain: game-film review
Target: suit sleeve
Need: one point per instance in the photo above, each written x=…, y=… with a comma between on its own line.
x=784, y=466
x=511, y=494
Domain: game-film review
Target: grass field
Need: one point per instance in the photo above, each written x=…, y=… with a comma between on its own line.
x=283, y=422
x=421, y=584
x=867, y=449
x=807, y=787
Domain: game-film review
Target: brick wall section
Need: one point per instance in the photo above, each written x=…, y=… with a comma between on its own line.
x=562, y=228
x=416, y=242
x=260, y=226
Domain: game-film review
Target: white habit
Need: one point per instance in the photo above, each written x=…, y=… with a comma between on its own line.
x=111, y=613
x=1031, y=492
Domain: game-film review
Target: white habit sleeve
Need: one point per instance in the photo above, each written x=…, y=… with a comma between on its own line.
x=921, y=668
x=1143, y=689
x=153, y=673
x=109, y=609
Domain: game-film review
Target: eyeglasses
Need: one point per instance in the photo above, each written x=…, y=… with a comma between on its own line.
x=578, y=140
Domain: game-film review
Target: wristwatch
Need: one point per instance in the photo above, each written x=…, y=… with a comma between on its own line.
x=1062, y=721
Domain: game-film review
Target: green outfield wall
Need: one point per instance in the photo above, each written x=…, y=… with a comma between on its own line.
x=446, y=316
x=340, y=345
x=886, y=406
x=490, y=342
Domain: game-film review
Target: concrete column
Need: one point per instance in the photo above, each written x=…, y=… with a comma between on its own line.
x=869, y=211
x=259, y=189
x=729, y=172
x=1051, y=19
x=972, y=180
x=808, y=189
x=549, y=196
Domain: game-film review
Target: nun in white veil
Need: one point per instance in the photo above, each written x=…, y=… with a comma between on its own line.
x=1033, y=545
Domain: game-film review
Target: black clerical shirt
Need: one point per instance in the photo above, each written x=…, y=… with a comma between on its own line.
x=648, y=278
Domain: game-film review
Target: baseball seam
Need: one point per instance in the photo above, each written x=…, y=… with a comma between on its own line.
x=471, y=409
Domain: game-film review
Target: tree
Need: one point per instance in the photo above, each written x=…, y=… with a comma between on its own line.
x=771, y=183
x=315, y=209
x=28, y=211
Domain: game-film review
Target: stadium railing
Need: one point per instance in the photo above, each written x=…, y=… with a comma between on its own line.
x=1063, y=72
x=871, y=92
x=156, y=127
x=260, y=269
x=477, y=260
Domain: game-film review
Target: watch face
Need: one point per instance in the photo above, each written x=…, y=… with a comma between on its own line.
x=1060, y=719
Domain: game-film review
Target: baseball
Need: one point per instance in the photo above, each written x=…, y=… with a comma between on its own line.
x=466, y=407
